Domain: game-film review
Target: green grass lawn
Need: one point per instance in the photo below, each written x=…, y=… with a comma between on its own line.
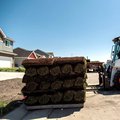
x=2, y=107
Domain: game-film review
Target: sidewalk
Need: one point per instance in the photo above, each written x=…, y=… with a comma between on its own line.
x=10, y=75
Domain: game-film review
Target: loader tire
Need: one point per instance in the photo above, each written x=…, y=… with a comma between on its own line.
x=117, y=80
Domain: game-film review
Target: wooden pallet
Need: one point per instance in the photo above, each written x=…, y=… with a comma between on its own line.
x=81, y=105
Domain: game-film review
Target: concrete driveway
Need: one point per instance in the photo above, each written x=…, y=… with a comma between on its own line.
x=10, y=75
x=101, y=105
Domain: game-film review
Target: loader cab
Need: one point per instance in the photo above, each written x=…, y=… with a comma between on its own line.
x=111, y=75
x=115, y=53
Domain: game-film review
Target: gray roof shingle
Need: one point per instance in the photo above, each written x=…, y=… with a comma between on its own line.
x=21, y=52
x=25, y=53
x=40, y=52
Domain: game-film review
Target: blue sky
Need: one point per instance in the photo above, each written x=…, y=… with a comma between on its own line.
x=66, y=27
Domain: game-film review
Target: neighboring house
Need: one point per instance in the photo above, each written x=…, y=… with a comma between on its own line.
x=41, y=54
x=6, y=51
x=23, y=54
x=51, y=54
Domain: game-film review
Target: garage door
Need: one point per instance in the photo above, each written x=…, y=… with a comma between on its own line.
x=5, y=61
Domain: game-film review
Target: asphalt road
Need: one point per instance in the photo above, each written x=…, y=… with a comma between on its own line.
x=99, y=105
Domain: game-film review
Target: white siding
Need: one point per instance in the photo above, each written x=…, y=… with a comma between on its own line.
x=19, y=60
x=6, y=61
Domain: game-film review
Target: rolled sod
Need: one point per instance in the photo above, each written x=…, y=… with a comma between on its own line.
x=56, y=84
x=80, y=68
x=56, y=97
x=44, y=99
x=27, y=79
x=68, y=96
x=79, y=81
x=53, y=61
x=68, y=83
x=54, y=71
x=42, y=71
x=31, y=100
x=55, y=81
x=30, y=71
x=31, y=86
x=44, y=85
x=66, y=69
x=37, y=79
x=38, y=62
x=69, y=60
x=80, y=96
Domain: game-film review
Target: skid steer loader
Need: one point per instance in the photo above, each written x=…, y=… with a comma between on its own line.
x=109, y=73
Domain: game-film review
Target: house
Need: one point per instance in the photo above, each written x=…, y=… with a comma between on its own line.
x=23, y=54
x=6, y=51
x=51, y=54
x=41, y=54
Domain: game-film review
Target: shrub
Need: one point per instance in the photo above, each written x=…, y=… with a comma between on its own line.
x=20, y=69
x=15, y=69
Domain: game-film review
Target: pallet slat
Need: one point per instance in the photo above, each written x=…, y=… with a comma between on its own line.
x=81, y=105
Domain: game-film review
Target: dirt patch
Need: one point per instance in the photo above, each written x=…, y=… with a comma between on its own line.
x=10, y=90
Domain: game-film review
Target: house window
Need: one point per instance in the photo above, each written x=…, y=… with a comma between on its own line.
x=8, y=43
x=11, y=43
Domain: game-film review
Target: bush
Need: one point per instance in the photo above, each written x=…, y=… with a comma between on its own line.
x=15, y=69
x=20, y=69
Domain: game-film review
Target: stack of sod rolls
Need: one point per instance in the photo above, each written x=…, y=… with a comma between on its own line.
x=54, y=81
